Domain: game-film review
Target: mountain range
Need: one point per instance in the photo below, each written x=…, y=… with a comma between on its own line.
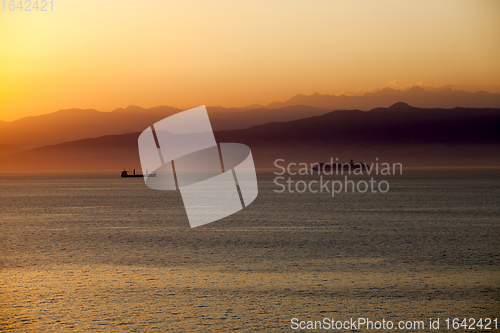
x=416, y=96
x=75, y=124
x=400, y=133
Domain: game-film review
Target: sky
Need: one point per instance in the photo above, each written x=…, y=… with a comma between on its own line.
x=110, y=54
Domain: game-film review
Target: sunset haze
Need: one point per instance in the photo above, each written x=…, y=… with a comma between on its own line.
x=106, y=55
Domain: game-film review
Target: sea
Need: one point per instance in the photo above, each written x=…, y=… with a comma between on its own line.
x=93, y=252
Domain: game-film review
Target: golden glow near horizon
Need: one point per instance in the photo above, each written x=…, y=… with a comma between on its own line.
x=110, y=54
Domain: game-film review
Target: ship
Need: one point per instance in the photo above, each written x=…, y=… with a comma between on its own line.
x=349, y=166
x=125, y=174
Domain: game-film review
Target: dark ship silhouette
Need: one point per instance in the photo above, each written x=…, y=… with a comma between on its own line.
x=125, y=174
x=341, y=166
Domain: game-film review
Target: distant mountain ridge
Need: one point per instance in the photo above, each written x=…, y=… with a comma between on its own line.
x=416, y=96
x=74, y=124
x=400, y=133
x=400, y=124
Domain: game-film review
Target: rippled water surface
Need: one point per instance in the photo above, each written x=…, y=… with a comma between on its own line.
x=94, y=252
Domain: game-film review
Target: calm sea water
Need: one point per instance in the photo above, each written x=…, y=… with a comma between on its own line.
x=94, y=252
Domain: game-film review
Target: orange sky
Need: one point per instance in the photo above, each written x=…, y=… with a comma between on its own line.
x=110, y=54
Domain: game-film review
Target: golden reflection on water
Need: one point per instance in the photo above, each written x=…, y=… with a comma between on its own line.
x=13, y=314
x=123, y=298
x=124, y=259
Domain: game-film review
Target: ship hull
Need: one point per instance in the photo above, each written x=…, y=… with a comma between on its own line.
x=341, y=166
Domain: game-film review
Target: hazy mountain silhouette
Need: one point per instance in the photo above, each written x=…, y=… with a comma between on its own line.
x=74, y=124
x=400, y=133
x=9, y=149
x=416, y=96
x=104, y=153
x=398, y=124
x=253, y=117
